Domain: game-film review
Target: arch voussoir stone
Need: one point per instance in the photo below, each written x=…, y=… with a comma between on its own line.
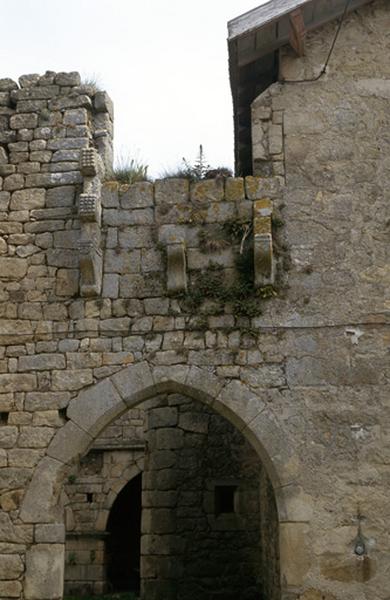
x=239, y=404
x=271, y=441
x=40, y=501
x=171, y=378
x=203, y=385
x=135, y=383
x=69, y=443
x=96, y=407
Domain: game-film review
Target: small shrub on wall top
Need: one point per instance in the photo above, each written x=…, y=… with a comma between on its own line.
x=196, y=171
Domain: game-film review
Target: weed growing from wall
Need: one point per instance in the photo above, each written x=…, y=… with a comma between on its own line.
x=129, y=170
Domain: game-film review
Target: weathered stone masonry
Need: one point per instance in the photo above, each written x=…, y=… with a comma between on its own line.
x=306, y=381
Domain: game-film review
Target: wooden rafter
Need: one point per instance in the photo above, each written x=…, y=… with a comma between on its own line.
x=297, y=31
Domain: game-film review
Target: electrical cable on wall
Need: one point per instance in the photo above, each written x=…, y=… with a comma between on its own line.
x=323, y=70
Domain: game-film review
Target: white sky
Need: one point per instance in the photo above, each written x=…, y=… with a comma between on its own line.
x=164, y=64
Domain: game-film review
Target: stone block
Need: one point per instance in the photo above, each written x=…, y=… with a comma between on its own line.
x=7, y=136
x=239, y=404
x=110, y=286
x=194, y=422
x=11, y=566
x=7, y=169
x=11, y=328
x=203, y=385
x=41, y=362
x=35, y=437
x=10, y=589
x=135, y=383
x=295, y=555
x=75, y=116
x=13, y=182
x=69, y=443
x=234, y=189
x=275, y=135
x=8, y=437
x=137, y=236
x=210, y=190
x=119, y=326
x=39, y=503
x=96, y=407
x=262, y=187
x=137, y=195
x=29, y=80
x=36, y=401
x=24, y=121
x=171, y=191
x=7, y=84
x=67, y=282
x=67, y=79
x=162, y=417
x=68, y=258
x=71, y=380
x=66, y=239
x=53, y=179
x=18, y=382
x=71, y=101
x=44, y=572
x=103, y=103
x=50, y=534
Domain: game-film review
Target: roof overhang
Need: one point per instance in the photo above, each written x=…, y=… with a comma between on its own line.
x=255, y=35
x=268, y=27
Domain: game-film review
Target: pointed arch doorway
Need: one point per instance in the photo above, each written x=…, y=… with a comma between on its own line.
x=97, y=406
x=123, y=544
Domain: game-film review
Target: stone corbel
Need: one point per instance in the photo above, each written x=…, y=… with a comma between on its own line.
x=91, y=265
x=90, y=210
x=89, y=162
x=176, y=268
x=263, y=251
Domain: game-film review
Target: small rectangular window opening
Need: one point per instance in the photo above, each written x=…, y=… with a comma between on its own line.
x=89, y=497
x=224, y=499
x=62, y=414
x=3, y=418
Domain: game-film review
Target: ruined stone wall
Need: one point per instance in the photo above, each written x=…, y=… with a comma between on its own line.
x=303, y=374
x=66, y=237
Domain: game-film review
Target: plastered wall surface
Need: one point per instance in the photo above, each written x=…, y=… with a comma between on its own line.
x=335, y=139
x=89, y=331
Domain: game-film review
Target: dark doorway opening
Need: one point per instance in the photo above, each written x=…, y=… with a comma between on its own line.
x=124, y=540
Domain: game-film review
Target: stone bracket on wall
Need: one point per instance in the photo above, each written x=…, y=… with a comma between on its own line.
x=90, y=212
x=264, y=266
x=176, y=268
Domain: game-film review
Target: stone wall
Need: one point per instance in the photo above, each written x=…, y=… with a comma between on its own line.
x=193, y=545
x=303, y=374
x=191, y=450
x=335, y=141
x=92, y=486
